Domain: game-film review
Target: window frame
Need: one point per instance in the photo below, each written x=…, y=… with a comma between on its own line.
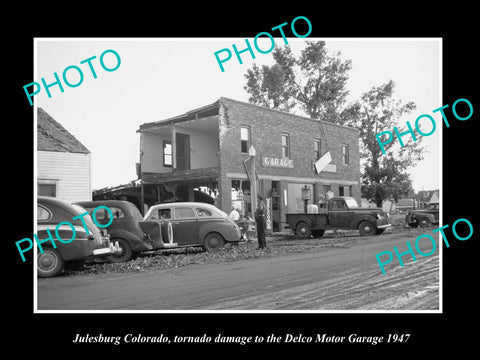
x=167, y=142
x=345, y=155
x=248, y=141
x=47, y=183
x=285, y=147
x=317, y=152
x=50, y=215
x=176, y=210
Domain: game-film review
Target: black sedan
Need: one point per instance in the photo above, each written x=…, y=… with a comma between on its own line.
x=127, y=228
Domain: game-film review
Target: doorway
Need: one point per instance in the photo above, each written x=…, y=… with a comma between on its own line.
x=182, y=151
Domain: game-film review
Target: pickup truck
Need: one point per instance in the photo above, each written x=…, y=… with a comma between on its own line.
x=423, y=217
x=340, y=212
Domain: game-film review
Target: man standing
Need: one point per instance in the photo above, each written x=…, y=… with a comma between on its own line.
x=234, y=214
x=260, y=221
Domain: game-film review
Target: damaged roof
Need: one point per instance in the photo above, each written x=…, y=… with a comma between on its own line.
x=51, y=136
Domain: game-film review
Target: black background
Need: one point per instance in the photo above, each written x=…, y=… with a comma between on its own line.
x=430, y=333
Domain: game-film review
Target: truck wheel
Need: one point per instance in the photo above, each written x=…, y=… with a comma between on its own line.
x=424, y=222
x=367, y=228
x=126, y=253
x=50, y=263
x=303, y=230
x=318, y=233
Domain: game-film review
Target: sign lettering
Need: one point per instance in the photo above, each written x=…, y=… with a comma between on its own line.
x=277, y=162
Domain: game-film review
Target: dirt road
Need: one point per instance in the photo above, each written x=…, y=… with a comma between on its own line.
x=343, y=277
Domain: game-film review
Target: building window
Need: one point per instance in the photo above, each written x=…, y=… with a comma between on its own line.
x=47, y=188
x=345, y=191
x=285, y=145
x=345, y=155
x=316, y=149
x=167, y=153
x=245, y=139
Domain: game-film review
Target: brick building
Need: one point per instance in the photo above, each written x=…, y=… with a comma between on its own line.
x=207, y=149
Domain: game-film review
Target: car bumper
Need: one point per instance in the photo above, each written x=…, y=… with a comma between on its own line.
x=107, y=248
x=383, y=223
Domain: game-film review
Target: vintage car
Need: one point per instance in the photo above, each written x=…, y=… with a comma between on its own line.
x=126, y=228
x=423, y=217
x=51, y=213
x=196, y=224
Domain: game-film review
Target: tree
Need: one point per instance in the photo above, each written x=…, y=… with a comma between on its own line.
x=384, y=176
x=315, y=82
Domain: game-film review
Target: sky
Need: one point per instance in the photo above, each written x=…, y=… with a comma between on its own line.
x=164, y=77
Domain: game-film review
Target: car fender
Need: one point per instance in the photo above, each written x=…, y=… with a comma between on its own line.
x=430, y=217
x=357, y=220
x=79, y=248
x=135, y=242
x=221, y=227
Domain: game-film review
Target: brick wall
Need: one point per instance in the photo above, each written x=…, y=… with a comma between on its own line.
x=266, y=129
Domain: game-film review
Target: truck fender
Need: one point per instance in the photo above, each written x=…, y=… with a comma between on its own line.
x=428, y=216
x=305, y=219
x=356, y=222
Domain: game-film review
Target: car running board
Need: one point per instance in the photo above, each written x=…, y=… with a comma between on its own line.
x=168, y=245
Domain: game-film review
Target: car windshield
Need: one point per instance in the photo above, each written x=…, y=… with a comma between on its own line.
x=351, y=203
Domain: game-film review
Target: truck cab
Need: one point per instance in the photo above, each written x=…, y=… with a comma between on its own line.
x=341, y=212
x=423, y=217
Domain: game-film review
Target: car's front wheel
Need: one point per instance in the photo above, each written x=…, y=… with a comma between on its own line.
x=367, y=228
x=213, y=241
x=49, y=263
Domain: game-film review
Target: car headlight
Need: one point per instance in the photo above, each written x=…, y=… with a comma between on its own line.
x=378, y=215
x=388, y=215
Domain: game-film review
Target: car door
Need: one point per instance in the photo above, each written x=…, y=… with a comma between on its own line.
x=339, y=214
x=185, y=226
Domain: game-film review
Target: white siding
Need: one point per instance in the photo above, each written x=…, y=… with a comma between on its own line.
x=71, y=171
x=203, y=150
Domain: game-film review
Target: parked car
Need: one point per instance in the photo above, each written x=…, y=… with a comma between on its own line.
x=50, y=213
x=196, y=224
x=126, y=228
x=423, y=217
